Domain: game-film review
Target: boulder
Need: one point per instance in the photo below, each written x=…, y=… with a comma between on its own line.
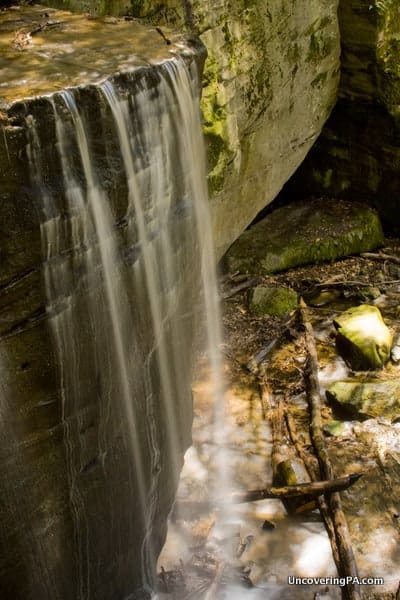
x=272, y=300
x=363, y=339
x=368, y=399
x=303, y=233
x=269, y=85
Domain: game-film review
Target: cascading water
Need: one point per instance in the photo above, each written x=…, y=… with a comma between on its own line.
x=125, y=276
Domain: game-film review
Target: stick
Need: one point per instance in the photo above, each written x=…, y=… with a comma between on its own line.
x=164, y=37
x=254, y=362
x=381, y=256
x=314, y=488
x=244, y=285
x=347, y=558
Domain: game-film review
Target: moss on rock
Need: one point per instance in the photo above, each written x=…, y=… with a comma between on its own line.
x=368, y=399
x=272, y=300
x=304, y=233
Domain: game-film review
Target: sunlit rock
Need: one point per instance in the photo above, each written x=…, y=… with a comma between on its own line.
x=363, y=339
x=367, y=399
x=304, y=233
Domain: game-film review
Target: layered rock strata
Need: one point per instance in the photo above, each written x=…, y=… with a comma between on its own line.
x=73, y=525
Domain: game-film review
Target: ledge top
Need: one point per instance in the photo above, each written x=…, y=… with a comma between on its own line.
x=43, y=50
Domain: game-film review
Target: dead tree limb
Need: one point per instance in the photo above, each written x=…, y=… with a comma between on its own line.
x=311, y=465
x=240, y=287
x=314, y=488
x=347, y=559
x=256, y=360
x=381, y=256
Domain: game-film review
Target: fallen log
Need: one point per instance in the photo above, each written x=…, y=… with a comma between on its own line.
x=314, y=488
x=347, y=559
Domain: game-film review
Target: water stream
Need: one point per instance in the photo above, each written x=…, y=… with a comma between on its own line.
x=130, y=282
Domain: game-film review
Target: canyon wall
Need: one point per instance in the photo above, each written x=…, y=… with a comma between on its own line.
x=358, y=154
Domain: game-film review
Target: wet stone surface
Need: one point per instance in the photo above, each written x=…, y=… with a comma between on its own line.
x=43, y=50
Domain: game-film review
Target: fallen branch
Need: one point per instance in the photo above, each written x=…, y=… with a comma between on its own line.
x=311, y=465
x=244, y=285
x=381, y=256
x=164, y=37
x=314, y=488
x=255, y=361
x=347, y=559
x=47, y=25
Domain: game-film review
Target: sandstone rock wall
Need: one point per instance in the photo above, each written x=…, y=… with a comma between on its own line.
x=270, y=83
x=73, y=524
x=358, y=153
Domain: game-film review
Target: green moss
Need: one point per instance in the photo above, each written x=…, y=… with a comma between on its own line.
x=310, y=232
x=272, y=300
x=319, y=79
x=320, y=46
x=215, y=145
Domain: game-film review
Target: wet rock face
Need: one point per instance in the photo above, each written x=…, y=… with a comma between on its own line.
x=270, y=83
x=69, y=508
x=358, y=153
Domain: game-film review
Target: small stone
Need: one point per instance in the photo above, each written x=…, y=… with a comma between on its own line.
x=272, y=300
x=395, y=353
x=371, y=293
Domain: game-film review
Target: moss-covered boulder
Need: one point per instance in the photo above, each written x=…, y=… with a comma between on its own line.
x=369, y=399
x=302, y=233
x=363, y=339
x=272, y=300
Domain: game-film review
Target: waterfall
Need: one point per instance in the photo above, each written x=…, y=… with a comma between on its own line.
x=130, y=279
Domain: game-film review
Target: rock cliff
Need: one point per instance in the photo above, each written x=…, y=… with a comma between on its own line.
x=270, y=83
x=88, y=460
x=358, y=153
